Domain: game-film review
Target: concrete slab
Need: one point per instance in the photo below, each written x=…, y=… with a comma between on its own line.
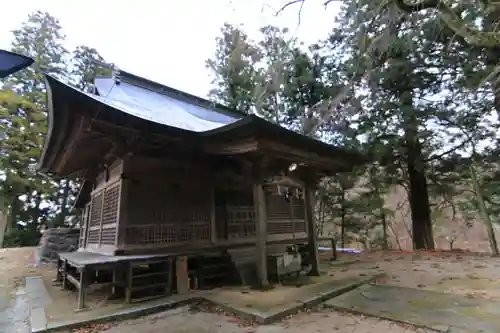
x=127, y=312
x=36, y=292
x=38, y=319
x=14, y=313
x=433, y=310
x=265, y=307
x=261, y=306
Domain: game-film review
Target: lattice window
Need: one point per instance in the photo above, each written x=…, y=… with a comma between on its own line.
x=108, y=236
x=165, y=234
x=93, y=237
x=96, y=209
x=286, y=227
x=283, y=219
x=279, y=209
x=240, y=221
x=110, y=207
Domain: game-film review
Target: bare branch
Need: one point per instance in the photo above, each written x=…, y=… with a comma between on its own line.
x=288, y=4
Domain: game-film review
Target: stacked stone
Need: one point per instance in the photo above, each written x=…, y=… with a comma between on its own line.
x=56, y=240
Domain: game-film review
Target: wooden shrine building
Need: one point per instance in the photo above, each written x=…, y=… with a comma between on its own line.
x=168, y=173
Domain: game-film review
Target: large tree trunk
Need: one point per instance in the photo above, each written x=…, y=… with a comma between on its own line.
x=418, y=195
x=385, y=244
x=4, y=218
x=13, y=216
x=420, y=209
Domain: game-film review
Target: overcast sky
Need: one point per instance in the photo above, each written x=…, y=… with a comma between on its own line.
x=166, y=41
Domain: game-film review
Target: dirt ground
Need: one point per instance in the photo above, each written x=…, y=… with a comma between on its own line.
x=464, y=274
x=14, y=265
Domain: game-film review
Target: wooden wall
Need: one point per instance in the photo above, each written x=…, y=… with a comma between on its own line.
x=144, y=204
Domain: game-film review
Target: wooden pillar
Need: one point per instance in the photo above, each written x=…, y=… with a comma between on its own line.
x=82, y=290
x=213, y=228
x=259, y=199
x=311, y=229
x=181, y=270
x=128, y=282
x=65, y=274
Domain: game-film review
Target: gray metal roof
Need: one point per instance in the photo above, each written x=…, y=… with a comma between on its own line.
x=157, y=107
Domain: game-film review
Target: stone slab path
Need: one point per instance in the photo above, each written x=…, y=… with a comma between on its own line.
x=438, y=311
x=14, y=313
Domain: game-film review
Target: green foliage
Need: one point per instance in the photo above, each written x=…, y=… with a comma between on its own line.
x=398, y=85
x=21, y=237
x=87, y=65
x=30, y=198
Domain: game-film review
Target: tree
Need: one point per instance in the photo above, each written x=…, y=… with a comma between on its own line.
x=456, y=15
x=29, y=197
x=405, y=69
x=19, y=145
x=87, y=65
x=25, y=123
x=233, y=69
x=285, y=82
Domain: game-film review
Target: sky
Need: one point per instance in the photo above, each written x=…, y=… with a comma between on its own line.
x=167, y=41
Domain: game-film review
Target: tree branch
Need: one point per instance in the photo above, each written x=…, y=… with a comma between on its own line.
x=416, y=7
x=288, y=4
x=455, y=22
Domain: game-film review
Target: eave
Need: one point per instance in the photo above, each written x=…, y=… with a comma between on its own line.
x=254, y=135
x=12, y=62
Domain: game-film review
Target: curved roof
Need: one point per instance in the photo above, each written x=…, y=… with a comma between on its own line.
x=12, y=62
x=132, y=101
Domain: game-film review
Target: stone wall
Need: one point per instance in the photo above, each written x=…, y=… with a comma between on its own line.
x=54, y=241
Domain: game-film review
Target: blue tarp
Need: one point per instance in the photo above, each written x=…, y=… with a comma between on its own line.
x=159, y=108
x=12, y=62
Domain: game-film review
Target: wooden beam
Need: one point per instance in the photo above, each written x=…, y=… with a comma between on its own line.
x=299, y=156
x=232, y=148
x=284, y=181
x=77, y=132
x=106, y=128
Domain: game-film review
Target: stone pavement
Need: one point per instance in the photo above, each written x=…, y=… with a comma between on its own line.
x=438, y=311
x=14, y=312
x=268, y=306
